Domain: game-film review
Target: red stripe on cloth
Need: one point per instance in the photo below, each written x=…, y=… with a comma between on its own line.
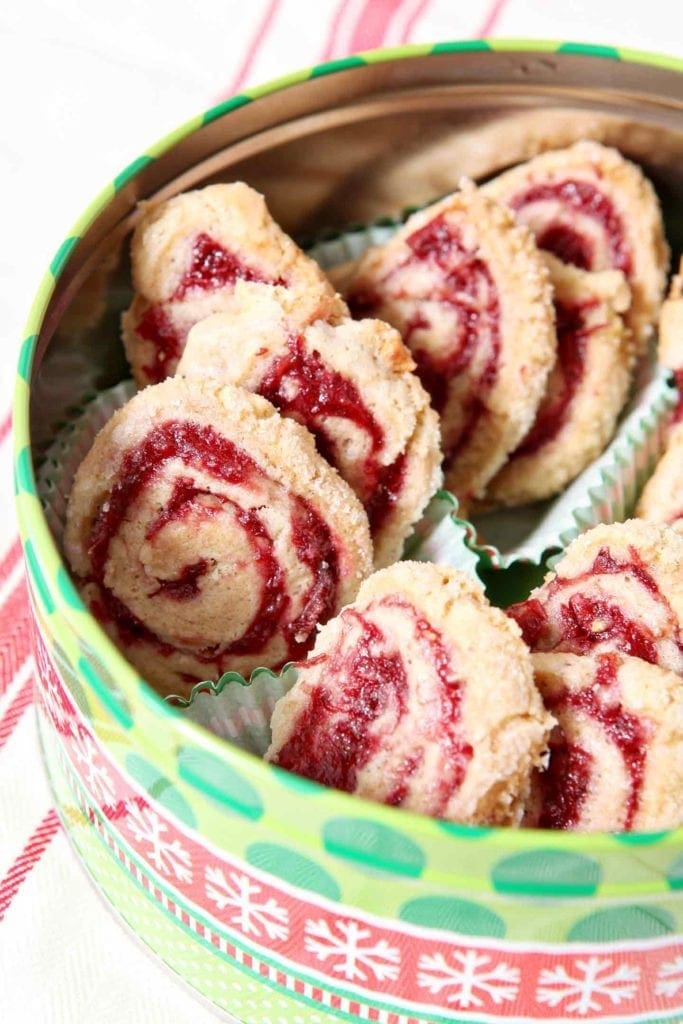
x=491, y=19
x=15, y=634
x=412, y=21
x=10, y=559
x=15, y=711
x=5, y=426
x=27, y=860
x=331, y=42
x=252, y=50
x=372, y=24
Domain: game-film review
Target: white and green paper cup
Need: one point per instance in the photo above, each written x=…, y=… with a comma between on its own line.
x=274, y=898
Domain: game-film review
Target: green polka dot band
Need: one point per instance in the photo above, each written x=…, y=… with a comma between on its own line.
x=273, y=897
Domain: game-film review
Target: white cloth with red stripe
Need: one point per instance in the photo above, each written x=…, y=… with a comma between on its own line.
x=90, y=87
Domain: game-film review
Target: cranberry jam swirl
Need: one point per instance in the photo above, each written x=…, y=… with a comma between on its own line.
x=187, y=255
x=586, y=389
x=207, y=534
x=616, y=755
x=350, y=384
x=618, y=589
x=594, y=209
x=394, y=702
x=470, y=295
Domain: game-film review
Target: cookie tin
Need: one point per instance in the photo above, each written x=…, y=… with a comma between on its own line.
x=276, y=899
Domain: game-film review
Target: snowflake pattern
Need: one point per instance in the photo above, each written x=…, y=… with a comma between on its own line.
x=97, y=777
x=350, y=945
x=239, y=895
x=596, y=980
x=148, y=828
x=54, y=701
x=670, y=978
x=471, y=977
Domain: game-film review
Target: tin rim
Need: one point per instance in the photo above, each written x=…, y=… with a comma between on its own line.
x=39, y=546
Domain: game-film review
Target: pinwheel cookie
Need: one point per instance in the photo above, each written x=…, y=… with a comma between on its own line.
x=470, y=294
x=618, y=588
x=616, y=755
x=670, y=342
x=350, y=384
x=586, y=388
x=420, y=695
x=591, y=207
x=208, y=534
x=662, y=497
x=187, y=254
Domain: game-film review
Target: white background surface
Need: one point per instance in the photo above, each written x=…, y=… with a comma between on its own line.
x=86, y=86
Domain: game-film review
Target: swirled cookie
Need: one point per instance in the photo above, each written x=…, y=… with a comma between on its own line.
x=419, y=695
x=187, y=253
x=350, y=384
x=616, y=755
x=591, y=207
x=471, y=297
x=207, y=533
x=662, y=498
x=586, y=389
x=670, y=341
x=618, y=588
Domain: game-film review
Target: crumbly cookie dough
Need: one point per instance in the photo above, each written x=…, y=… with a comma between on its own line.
x=471, y=296
x=207, y=534
x=586, y=389
x=188, y=252
x=350, y=384
x=662, y=498
x=420, y=695
x=670, y=342
x=616, y=755
x=591, y=207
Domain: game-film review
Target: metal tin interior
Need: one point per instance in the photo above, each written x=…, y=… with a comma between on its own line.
x=355, y=145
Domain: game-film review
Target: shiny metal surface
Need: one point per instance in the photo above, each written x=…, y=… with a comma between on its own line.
x=351, y=146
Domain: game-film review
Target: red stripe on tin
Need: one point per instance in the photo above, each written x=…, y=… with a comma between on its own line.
x=28, y=858
x=15, y=634
x=10, y=559
x=491, y=19
x=9, y=720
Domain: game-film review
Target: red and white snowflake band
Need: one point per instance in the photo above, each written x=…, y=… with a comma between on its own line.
x=337, y=956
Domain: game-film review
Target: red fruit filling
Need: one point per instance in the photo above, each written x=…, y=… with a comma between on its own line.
x=301, y=385
x=568, y=777
x=212, y=268
x=572, y=344
x=364, y=680
x=464, y=284
x=155, y=326
x=564, y=785
x=206, y=450
x=565, y=239
x=586, y=620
